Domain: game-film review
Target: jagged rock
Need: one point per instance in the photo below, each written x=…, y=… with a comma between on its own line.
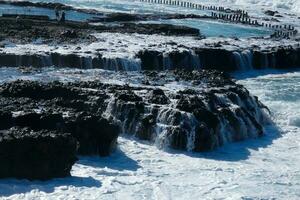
x=5, y=120
x=145, y=131
x=281, y=57
x=119, y=17
x=128, y=96
x=205, y=139
x=270, y=12
x=69, y=34
x=36, y=155
x=95, y=134
x=150, y=60
x=189, y=103
x=211, y=111
x=158, y=96
x=36, y=90
x=178, y=138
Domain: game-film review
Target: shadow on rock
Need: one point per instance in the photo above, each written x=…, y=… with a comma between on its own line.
x=9, y=187
x=235, y=152
x=117, y=161
x=240, y=75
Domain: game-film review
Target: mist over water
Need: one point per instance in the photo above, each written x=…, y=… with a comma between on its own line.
x=280, y=91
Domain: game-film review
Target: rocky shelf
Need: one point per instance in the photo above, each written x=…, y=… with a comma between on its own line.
x=209, y=111
x=41, y=155
x=196, y=58
x=26, y=30
x=126, y=45
x=131, y=46
x=169, y=88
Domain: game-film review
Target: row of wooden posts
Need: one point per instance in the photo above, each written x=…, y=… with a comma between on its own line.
x=234, y=18
x=284, y=34
x=248, y=20
x=281, y=30
x=197, y=6
x=237, y=16
x=185, y=4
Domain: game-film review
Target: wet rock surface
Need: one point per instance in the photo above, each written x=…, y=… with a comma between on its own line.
x=282, y=57
x=32, y=155
x=61, y=108
x=25, y=30
x=275, y=58
x=208, y=110
x=30, y=30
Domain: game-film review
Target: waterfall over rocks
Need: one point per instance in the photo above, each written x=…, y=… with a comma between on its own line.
x=197, y=58
x=185, y=110
x=243, y=60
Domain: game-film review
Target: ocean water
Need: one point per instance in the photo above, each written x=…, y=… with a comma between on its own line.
x=206, y=27
x=71, y=15
x=264, y=168
x=132, y=5
x=289, y=9
x=210, y=28
x=280, y=92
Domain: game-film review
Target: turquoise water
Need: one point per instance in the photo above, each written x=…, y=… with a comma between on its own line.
x=128, y=6
x=70, y=15
x=207, y=28
x=216, y=29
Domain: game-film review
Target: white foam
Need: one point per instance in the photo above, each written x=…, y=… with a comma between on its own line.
x=263, y=168
x=120, y=45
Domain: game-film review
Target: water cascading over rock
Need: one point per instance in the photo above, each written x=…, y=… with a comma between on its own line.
x=198, y=58
x=210, y=112
x=186, y=110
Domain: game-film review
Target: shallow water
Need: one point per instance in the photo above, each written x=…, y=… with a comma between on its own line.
x=70, y=15
x=207, y=28
x=216, y=29
x=133, y=5
x=128, y=6
x=264, y=168
x=290, y=9
x=280, y=92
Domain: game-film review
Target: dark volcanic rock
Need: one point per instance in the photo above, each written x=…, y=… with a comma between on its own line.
x=36, y=155
x=27, y=30
x=211, y=110
x=150, y=60
x=95, y=134
x=271, y=12
x=285, y=57
x=5, y=120
x=119, y=17
x=158, y=96
x=164, y=29
x=69, y=34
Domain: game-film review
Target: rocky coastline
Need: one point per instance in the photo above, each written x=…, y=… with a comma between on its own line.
x=211, y=112
x=169, y=86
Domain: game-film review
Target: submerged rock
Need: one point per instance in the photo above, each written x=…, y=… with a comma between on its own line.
x=32, y=155
x=271, y=12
